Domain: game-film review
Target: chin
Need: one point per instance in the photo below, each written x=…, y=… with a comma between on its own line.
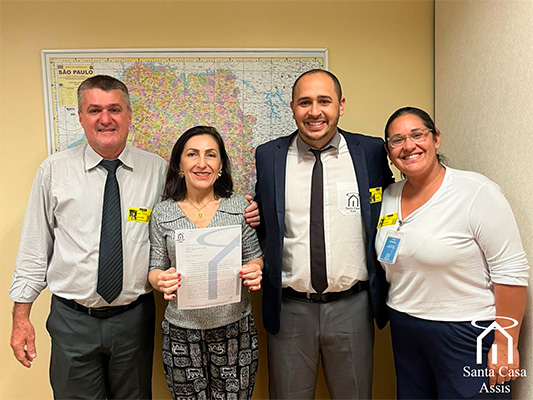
x=314, y=137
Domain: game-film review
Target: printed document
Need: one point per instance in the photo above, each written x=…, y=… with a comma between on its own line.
x=209, y=260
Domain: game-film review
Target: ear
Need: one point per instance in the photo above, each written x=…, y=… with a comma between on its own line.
x=292, y=109
x=436, y=139
x=341, y=107
x=386, y=148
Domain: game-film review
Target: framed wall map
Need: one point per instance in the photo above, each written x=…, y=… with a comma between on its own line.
x=244, y=93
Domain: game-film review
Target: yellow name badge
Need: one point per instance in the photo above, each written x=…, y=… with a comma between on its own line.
x=139, y=214
x=388, y=220
x=375, y=195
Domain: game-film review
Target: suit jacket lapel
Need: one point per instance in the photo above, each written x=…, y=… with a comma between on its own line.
x=280, y=171
x=361, y=172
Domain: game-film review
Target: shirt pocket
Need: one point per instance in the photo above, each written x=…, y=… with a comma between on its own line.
x=137, y=227
x=348, y=200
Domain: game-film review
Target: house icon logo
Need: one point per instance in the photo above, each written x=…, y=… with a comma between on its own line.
x=495, y=327
x=352, y=201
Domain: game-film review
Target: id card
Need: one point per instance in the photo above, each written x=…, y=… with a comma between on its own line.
x=391, y=245
x=387, y=220
x=139, y=214
x=375, y=194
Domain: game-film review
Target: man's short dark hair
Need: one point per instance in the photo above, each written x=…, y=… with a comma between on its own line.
x=105, y=83
x=335, y=80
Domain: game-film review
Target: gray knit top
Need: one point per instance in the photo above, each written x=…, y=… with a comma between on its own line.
x=166, y=218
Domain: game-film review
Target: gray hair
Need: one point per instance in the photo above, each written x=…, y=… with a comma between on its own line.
x=105, y=83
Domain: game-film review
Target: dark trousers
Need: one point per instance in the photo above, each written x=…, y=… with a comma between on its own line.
x=102, y=358
x=437, y=360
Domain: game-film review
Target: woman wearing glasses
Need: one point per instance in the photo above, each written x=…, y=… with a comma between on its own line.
x=450, y=247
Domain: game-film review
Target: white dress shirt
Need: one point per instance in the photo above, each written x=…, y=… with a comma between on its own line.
x=343, y=224
x=61, y=231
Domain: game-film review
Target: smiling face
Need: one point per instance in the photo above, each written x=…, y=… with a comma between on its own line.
x=316, y=108
x=200, y=162
x=413, y=159
x=105, y=118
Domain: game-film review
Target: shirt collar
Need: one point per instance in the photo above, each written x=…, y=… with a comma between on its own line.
x=92, y=158
x=303, y=147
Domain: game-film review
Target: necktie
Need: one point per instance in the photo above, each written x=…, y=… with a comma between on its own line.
x=316, y=231
x=110, y=258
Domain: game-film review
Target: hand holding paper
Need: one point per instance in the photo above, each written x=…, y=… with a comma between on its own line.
x=252, y=274
x=168, y=282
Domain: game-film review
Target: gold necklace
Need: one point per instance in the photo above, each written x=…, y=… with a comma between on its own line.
x=199, y=213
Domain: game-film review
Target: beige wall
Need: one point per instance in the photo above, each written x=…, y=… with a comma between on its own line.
x=483, y=107
x=381, y=51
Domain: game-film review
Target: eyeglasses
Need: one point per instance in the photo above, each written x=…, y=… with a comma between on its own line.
x=417, y=136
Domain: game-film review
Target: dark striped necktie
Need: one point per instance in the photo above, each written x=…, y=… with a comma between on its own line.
x=110, y=257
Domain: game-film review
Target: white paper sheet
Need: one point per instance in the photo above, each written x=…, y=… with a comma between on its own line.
x=209, y=260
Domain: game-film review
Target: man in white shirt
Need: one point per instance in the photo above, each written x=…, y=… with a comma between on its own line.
x=100, y=348
x=319, y=193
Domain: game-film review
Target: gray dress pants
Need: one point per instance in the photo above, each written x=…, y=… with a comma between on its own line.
x=339, y=334
x=102, y=358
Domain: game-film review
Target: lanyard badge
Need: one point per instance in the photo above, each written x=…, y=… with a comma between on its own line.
x=391, y=245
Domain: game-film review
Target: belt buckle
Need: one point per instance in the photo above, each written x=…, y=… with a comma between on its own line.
x=313, y=297
x=93, y=312
x=316, y=297
x=100, y=314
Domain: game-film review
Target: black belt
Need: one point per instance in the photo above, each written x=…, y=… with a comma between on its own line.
x=102, y=312
x=290, y=293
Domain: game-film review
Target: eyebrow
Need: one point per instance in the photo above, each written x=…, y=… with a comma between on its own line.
x=320, y=97
x=105, y=105
x=412, y=130
x=195, y=149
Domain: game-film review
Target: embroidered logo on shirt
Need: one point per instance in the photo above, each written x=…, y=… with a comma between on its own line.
x=352, y=201
x=348, y=200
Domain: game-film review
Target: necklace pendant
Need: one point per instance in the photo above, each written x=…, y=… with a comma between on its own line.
x=200, y=214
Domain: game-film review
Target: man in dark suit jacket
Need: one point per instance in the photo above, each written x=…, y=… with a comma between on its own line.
x=308, y=320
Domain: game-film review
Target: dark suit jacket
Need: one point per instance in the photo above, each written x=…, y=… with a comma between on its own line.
x=371, y=168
